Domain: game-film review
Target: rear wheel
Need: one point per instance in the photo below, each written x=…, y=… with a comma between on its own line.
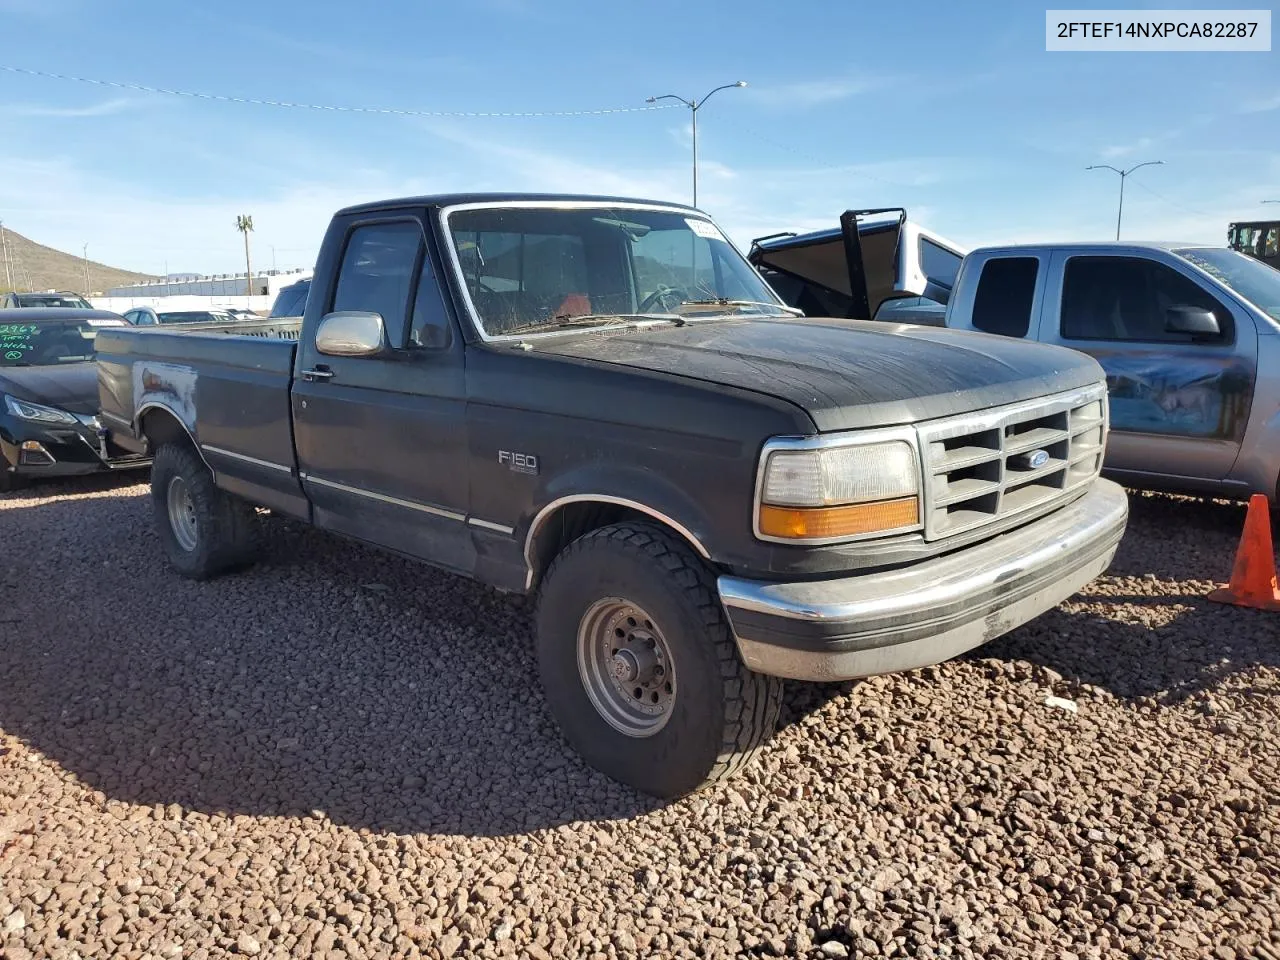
x=640, y=668
x=204, y=531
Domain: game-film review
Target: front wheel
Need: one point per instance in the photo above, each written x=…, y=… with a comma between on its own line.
x=640, y=668
x=205, y=532
x=9, y=481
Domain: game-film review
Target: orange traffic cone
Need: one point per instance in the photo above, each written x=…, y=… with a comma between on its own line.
x=1253, y=581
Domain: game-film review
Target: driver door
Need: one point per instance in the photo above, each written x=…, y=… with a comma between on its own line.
x=382, y=440
x=1179, y=403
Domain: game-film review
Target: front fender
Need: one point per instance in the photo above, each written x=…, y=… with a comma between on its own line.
x=637, y=488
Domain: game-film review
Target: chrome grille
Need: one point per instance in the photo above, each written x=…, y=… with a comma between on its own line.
x=978, y=467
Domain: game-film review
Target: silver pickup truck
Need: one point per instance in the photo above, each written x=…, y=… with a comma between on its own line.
x=1189, y=335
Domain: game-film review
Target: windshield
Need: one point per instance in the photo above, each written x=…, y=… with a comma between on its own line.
x=549, y=267
x=1252, y=280
x=50, y=342
x=53, y=300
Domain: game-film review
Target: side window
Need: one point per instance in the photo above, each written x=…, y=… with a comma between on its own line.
x=1006, y=292
x=1272, y=245
x=377, y=273
x=430, y=323
x=1172, y=289
x=938, y=264
x=1127, y=298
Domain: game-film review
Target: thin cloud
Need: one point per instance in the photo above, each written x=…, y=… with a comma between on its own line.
x=1264, y=105
x=812, y=93
x=106, y=108
x=1125, y=150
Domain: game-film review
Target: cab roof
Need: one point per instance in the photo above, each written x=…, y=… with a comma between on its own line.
x=438, y=200
x=1169, y=246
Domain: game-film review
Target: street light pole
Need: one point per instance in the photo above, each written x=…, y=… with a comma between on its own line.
x=694, y=106
x=1123, y=174
x=86, y=269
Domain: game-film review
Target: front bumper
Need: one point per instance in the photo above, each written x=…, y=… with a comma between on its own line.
x=63, y=451
x=928, y=612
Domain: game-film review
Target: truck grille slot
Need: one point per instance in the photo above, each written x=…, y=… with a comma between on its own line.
x=992, y=464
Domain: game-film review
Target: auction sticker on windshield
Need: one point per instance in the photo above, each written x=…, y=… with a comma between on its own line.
x=704, y=228
x=1120, y=31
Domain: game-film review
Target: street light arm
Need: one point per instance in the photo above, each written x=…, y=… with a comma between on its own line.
x=1149, y=163
x=1105, y=166
x=672, y=96
x=739, y=83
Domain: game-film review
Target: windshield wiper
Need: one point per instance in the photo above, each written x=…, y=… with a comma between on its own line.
x=565, y=320
x=727, y=302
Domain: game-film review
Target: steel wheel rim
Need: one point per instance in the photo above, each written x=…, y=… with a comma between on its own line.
x=182, y=514
x=626, y=667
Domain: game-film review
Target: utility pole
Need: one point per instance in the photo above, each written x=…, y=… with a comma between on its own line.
x=4, y=245
x=1123, y=174
x=244, y=223
x=86, y=269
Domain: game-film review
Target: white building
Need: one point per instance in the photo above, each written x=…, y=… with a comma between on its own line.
x=203, y=293
x=265, y=284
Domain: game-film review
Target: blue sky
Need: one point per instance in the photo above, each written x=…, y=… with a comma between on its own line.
x=953, y=110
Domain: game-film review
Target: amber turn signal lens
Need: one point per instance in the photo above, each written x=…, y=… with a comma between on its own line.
x=820, y=523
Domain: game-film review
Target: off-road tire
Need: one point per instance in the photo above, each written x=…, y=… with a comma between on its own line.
x=226, y=528
x=722, y=713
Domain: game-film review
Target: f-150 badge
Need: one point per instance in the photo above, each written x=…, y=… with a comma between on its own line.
x=519, y=462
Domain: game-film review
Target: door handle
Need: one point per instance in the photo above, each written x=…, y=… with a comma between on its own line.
x=319, y=372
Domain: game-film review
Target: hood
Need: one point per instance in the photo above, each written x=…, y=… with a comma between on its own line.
x=73, y=386
x=845, y=373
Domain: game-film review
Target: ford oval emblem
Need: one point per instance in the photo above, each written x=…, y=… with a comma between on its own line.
x=1037, y=459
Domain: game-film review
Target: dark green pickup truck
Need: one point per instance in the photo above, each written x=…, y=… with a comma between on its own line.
x=598, y=401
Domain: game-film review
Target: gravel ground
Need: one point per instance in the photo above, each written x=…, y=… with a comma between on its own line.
x=345, y=754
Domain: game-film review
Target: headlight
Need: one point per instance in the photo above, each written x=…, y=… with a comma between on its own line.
x=834, y=493
x=37, y=412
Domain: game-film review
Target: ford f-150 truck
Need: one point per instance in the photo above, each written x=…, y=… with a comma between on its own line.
x=600, y=402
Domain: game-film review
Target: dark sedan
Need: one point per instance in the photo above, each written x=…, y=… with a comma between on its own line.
x=49, y=396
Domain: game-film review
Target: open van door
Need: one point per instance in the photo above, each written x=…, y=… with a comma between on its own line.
x=878, y=265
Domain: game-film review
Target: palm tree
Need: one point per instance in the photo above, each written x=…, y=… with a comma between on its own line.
x=244, y=223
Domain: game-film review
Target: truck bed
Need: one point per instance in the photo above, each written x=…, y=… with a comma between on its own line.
x=238, y=376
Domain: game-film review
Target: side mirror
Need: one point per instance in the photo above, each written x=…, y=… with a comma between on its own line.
x=1193, y=320
x=352, y=333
